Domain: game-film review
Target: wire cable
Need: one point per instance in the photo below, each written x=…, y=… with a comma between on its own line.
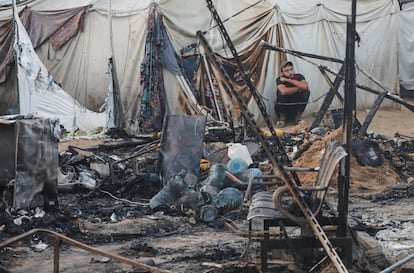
x=294, y=103
x=237, y=13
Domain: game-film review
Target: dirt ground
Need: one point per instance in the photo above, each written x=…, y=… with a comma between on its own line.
x=379, y=199
x=388, y=121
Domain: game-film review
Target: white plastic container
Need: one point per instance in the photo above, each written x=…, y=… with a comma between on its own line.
x=237, y=150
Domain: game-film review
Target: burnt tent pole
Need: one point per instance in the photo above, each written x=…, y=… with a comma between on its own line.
x=333, y=90
x=349, y=110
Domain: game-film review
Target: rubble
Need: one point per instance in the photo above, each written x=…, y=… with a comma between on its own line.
x=100, y=207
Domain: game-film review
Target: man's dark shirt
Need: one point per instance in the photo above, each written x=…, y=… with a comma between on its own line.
x=298, y=77
x=283, y=102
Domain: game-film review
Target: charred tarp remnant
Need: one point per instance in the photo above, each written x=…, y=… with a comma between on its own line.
x=367, y=152
x=7, y=162
x=181, y=147
x=30, y=157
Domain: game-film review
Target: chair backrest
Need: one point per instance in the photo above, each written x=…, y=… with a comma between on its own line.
x=334, y=152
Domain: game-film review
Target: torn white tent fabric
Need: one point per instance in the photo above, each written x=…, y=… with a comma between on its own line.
x=314, y=26
x=329, y=38
x=81, y=64
x=300, y=12
x=40, y=95
x=406, y=45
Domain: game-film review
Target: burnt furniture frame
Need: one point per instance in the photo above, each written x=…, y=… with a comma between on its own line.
x=269, y=207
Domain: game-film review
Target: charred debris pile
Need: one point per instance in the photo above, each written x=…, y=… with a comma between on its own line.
x=119, y=178
x=108, y=179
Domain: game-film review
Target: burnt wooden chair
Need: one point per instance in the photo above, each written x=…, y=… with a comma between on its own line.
x=270, y=208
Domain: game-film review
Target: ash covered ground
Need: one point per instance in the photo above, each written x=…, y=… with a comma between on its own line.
x=113, y=216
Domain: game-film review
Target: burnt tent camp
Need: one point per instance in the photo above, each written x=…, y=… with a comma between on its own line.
x=161, y=68
x=170, y=151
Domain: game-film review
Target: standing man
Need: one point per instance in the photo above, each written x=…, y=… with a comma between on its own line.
x=292, y=95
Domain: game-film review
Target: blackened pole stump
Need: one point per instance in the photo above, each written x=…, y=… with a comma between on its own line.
x=349, y=111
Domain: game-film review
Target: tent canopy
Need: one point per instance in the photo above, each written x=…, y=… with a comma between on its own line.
x=313, y=26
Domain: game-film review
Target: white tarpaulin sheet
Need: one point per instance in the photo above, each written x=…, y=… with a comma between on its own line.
x=406, y=47
x=300, y=12
x=40, y=95
x=317, y=27
x=328, y=39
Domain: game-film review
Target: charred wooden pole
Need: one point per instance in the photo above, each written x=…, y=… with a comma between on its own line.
x=349, y=110
x=60, y=238
x=376, y=105
x=301, y=54
x=388, y=95
x=363, y=129
x=333, y=90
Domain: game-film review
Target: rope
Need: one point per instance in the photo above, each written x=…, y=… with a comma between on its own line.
x=294, y=103
x=124, y=200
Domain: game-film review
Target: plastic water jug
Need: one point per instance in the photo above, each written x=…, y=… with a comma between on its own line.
x=237, y=150
x=228, y=199
x=171, y=191
x=208, y=213
x=236, y=165
x=216, y=176
x=248, y=174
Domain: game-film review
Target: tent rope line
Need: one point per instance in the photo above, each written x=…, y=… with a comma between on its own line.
x=294, y=103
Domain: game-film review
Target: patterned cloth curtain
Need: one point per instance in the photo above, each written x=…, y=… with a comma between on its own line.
x=153, y=99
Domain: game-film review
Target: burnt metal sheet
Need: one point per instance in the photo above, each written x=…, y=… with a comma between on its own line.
x=181, y=147
x=31, y=158
x=8, y=152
